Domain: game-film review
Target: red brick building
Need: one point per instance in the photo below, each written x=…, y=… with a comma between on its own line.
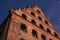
x=28, y=24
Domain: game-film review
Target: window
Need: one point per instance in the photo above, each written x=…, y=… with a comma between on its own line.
x=24, y=16
x=33, y=21
x=43, y=37
x=32, y=14
x=46, y=22
x=34, y=33
x=22, y=39
x=48, y=30
x=0, y=33
x=39, y=18
x=41, y=26
x=50, y=39
x=23, y=27
x=38, y=11
x=55, y=34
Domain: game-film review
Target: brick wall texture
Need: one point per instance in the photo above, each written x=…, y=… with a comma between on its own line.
x=15, y=31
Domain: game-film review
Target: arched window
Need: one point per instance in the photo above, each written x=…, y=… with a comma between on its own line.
x=50, y=39
x=48, y=30
x=55, y=34
x=41, y=26
x=22, y=39
x=24, y=16
x=46, y=22
x=32, y=14
x=39, y=18
x=43, y=37
x=33, y=21
x=34, y=33
x=23, y=27
x=0, y=33
x=1, y=30
x=38, y=11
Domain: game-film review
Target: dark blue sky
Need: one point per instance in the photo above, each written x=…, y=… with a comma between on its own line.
x=51, y=8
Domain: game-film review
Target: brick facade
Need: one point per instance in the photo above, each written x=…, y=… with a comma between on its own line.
x=31, y=24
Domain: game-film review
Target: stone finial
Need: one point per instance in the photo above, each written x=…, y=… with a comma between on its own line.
x=11, y=9
x=36, y=6
x=19, y=9
x=28, y=6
